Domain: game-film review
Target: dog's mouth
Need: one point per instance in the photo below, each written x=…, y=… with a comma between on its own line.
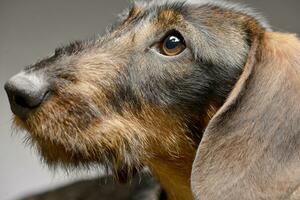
x=69, y=141
x=59, y=130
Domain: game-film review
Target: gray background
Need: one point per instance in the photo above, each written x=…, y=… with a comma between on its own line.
x=32, y=29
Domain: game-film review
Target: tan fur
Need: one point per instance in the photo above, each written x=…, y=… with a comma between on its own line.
x=125, y=135
x=169, y=18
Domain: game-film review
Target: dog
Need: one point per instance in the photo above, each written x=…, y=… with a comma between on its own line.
x=202, y=92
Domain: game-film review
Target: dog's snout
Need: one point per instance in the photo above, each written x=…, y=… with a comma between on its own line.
x=26, y=93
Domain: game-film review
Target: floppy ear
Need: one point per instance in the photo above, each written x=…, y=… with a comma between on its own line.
x=251, y=147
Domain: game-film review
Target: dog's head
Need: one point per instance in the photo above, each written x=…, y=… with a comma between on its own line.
x=147, y=90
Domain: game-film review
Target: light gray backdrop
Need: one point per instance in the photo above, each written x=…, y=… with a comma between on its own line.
x=32, y=29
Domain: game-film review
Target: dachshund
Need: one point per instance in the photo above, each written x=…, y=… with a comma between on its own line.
x=201, y=92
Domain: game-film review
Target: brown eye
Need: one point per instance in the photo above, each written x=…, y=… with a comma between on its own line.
x=173, y=44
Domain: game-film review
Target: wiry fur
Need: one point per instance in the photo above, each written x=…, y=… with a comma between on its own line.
x=116, y=101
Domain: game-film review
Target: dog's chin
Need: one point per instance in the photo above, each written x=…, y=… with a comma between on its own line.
x=53, y=150
x=67, y=156
x=55, y=155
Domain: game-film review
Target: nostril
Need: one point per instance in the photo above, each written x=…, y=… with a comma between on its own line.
x=27, y=101
x=18, y=99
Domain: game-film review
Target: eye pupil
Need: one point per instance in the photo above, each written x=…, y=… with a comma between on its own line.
x=172, y=42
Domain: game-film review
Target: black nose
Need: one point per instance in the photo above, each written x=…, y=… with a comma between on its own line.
x=25, y=93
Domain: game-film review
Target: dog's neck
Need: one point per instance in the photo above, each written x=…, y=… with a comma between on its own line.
x=173, y=169
x=174, y=176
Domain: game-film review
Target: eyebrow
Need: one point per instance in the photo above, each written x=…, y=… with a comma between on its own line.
x=166, y=11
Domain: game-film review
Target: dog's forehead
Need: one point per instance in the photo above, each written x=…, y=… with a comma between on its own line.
x=182, y=5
